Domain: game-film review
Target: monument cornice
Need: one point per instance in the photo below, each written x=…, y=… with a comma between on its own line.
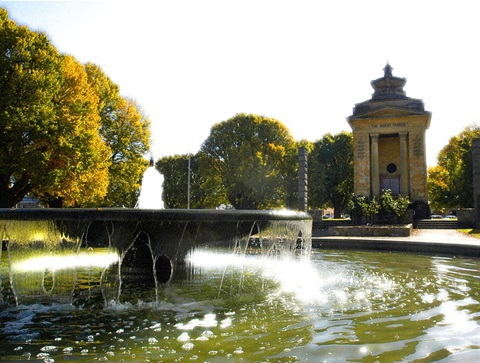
x=406, y=105
x=389, y=116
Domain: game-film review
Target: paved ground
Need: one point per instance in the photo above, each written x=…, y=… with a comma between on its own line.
x=441, y=241
x=444, y=235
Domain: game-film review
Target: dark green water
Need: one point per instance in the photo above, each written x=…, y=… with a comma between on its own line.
x=339, y=306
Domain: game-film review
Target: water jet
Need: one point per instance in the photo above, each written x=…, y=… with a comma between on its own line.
x=151, y=191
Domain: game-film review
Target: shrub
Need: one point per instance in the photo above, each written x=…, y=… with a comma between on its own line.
x=363, y=207
x=391, y=205
x=388, y=207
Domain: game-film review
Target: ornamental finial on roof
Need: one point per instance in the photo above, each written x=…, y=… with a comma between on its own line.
x=388, y=70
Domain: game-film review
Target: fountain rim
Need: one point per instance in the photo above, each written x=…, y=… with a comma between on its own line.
x=133, y=214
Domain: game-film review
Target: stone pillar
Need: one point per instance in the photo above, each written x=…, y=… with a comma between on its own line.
x=417, y=165
x=375, y=176
x=302, y=179
x=476, y=179
x=403, y=164
x=361, y=162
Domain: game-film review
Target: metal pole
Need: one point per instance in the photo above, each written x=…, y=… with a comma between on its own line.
x=188, y=188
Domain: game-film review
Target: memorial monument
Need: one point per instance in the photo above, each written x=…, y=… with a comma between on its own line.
x=389, y=143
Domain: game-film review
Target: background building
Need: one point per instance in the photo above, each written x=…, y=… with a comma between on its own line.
x=389, y=143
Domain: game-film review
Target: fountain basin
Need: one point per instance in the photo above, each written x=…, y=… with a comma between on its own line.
x=238, y=302
x=124, y=214
x=118, y=228
x=140, y=246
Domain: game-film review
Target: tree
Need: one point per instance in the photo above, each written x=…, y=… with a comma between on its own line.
x=244, y=161
x=125, y=129
x=331, y=172
x=450, y=183
x=78, y=164
x=49, y=135
x=29, y=77
x=438, y=189
x=175, y=186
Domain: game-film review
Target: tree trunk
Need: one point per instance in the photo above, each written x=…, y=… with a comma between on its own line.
x=11, y=195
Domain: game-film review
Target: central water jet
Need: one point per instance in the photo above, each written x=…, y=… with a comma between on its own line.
x=151, y=192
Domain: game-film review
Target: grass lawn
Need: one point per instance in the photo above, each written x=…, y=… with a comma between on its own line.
x=475, y=232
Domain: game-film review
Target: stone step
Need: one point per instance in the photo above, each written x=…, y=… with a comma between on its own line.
x=435, y=224
x=331, y=223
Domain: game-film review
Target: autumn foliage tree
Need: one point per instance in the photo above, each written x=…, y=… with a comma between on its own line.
x=66, y=136
x=126, y=131
x=49, y=129
x=450, y=182
x=79, y=159
x=29, y=78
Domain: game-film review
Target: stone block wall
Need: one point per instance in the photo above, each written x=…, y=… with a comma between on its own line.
x=371, y=231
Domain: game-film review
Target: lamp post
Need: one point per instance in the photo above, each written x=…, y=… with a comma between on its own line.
x=188, y=182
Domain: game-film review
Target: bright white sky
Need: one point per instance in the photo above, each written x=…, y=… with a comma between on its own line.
x=191, y=64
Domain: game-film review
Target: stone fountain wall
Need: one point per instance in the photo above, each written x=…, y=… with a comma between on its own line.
x=149, y=245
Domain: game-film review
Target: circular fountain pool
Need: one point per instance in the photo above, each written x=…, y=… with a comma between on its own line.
x=337, y=306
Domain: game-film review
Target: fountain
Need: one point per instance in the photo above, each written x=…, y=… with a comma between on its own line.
x=151, y=191
x=132, y=245
x=338, y=306
x=221, y=285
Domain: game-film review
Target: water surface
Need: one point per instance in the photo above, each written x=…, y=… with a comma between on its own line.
x=339, y=306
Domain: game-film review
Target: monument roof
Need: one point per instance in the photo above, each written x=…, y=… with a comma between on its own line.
x=389, y=94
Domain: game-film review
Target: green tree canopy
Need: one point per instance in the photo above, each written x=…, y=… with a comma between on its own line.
x=175, y=188
x=331, y=172
x=243, y=162
x=450, y=182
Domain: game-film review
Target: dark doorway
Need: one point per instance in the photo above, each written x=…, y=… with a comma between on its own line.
x=392, y=183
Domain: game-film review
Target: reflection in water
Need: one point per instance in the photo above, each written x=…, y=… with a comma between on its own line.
x=87, y=259
x=340, y=306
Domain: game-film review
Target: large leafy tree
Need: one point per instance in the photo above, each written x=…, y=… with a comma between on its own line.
x=450, y=182
x=331, y=172
x=66, y=134
x=78, y=164
x=49, y=136
x=125, y=129
x=29, y=78
x=243, y=161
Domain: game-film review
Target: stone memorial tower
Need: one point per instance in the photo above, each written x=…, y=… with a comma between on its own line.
x=389, y=143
